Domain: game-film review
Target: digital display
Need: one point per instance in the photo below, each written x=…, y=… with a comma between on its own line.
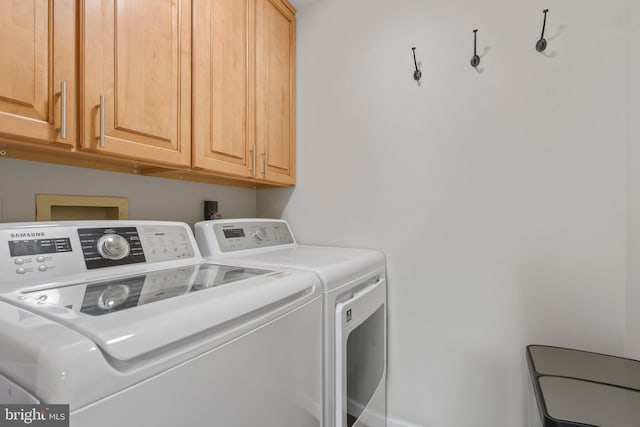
x=38, y=247
x=231, y=233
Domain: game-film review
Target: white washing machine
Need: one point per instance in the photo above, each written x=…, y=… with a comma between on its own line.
x=354, y=309
x=125, y=323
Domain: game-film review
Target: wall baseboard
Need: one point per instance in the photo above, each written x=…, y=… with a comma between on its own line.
x=392, y=422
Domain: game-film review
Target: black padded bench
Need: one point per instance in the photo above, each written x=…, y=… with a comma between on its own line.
x=576, y=388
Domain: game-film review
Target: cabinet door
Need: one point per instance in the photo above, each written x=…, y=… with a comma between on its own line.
x=223, y=135
x=275, y=91
x=37, y=45
x=136, y=58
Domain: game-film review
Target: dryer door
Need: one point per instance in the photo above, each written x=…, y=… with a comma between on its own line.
x=361, y=358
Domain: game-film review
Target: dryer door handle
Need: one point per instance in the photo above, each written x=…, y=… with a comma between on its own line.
x=366, y=290
x=360, y=305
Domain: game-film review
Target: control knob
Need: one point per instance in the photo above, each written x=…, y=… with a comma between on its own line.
x=113, y=297
x=260, y=234
x=113, y=246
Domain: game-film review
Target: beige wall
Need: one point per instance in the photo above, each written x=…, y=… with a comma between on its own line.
x=149, y=197
x=633, y=174
x=498, y=197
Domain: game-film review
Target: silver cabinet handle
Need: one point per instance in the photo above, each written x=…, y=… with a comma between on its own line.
x=63, y=110
x=253, y=160
x=265, y=156
x=101, y=107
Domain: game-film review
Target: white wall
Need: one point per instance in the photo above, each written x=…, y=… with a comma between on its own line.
x=149, y=197
x=633, y=188
x=498, y=197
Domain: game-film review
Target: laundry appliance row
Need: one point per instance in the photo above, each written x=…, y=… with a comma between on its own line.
x=129, y=324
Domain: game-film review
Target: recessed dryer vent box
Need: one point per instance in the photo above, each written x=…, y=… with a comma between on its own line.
x=63, y=207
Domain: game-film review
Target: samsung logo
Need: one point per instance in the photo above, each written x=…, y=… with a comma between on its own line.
x=26, y=235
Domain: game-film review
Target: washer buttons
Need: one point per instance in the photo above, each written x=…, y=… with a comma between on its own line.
x=20, y=270
x=42, y=267
x=40, y=259
x=18, y=261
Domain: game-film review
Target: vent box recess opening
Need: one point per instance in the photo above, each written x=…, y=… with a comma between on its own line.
x=62, y=207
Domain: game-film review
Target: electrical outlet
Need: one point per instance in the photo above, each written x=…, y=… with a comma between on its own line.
x=211, y=210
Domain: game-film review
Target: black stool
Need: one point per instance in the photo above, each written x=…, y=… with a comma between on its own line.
x=576, y=388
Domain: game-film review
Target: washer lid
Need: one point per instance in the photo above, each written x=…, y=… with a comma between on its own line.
x=334, y=266
x=138, y=314
x=124, y=293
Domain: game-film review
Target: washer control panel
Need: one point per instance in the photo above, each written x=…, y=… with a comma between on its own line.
x=46, y=251
x=238, y=236
x=108, y=247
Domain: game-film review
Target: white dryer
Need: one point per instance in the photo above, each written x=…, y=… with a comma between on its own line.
x=125, y=323
x=354, y=308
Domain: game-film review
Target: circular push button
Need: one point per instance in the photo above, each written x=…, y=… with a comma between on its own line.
x=40, y=258
x=42, y=267
x=20, y=270
x=18, y=261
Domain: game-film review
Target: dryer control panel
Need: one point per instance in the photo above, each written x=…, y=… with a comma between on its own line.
x=51, y=250
x=239, y=235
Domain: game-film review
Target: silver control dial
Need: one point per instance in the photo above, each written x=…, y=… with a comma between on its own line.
x=260, y=234
x=113, y=246
x=113, y=297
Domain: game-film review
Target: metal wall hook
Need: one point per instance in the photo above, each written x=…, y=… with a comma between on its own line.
x=541, y=44
x=417, y=74
x=475, y=60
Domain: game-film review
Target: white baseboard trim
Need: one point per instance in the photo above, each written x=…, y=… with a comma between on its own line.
x=370, y=418
x=392, y=422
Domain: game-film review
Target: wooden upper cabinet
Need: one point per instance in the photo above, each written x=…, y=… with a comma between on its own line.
x=136, y=79
x=223, y=136
x=275, y=91
x=37, y=45
x=120, y=78
x=244, y=89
